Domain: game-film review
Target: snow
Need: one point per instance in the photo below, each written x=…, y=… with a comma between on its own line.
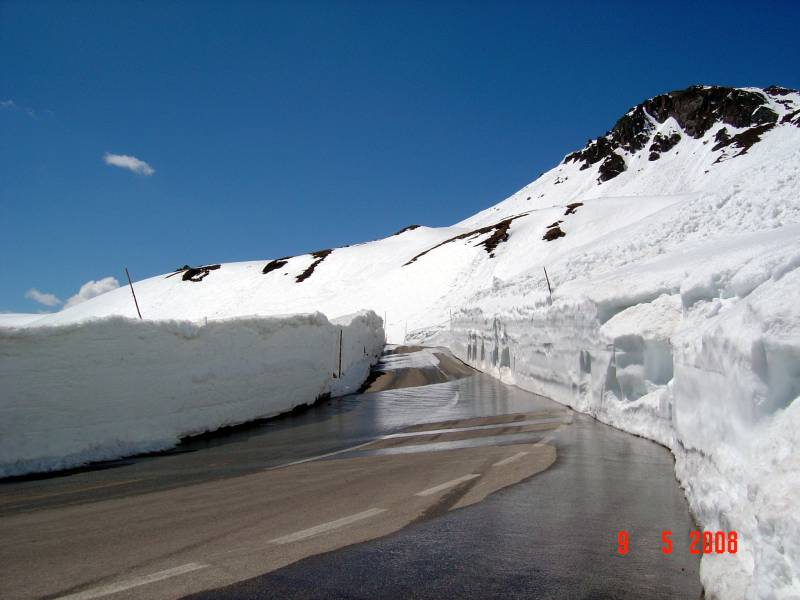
x=17, y=319
x=673, y=316
x=424, y=358
x=115, y=386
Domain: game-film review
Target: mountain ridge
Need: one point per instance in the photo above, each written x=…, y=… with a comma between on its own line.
x=696, y=110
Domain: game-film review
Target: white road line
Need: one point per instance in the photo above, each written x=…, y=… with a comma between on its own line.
x=416, y=434
x=510, y=459
x=543, y=421
x=447, y=484
x=320, y=456
x=325, y=527
x=113, y=588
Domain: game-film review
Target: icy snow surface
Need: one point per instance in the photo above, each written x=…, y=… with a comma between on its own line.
x=423, y=359
x=673, y=315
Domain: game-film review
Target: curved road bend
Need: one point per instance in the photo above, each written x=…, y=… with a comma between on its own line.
x=462, y=488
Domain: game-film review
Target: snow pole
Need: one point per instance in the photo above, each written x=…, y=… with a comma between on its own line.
x=130, y=283
x=549, y=289
x=340, y=354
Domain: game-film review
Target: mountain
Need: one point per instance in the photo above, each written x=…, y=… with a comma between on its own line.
x=657, y=167
x=668, y=308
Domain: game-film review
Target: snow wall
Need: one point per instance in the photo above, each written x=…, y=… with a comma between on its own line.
x=113, y=387
x=715, y=379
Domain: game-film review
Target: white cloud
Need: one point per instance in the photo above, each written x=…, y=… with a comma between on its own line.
x=7, y=104
x=90, y=289
x=128, y=162
x=42, y=297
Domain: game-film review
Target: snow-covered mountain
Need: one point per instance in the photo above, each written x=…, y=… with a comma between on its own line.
x=679, y=168
x=672, y=247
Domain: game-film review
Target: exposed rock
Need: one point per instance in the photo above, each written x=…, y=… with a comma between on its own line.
x=696, y=110
x=553, y=234
x=197, y=274
x=662, y=143
x=320, y=255
x=612, y=166
x=764, y=115
x=632, y=131
x=792, y=117
x=498, y=231
x=744, y=140
x=407, y=228
x=571, y=208
x=594, y=152
x=499, y=235
x=276, y=264
x=776, y=90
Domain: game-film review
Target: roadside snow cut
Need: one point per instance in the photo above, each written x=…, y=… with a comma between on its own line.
x=114, y=387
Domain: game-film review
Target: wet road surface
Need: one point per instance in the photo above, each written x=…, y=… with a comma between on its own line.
x=469, y=488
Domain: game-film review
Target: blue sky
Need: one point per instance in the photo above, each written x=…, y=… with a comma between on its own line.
x=279, y=128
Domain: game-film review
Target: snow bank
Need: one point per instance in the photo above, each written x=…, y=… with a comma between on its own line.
x=115, y=386
x=702, y=356
x=17, y=319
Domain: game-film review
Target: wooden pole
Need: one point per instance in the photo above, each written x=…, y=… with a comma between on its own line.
x=130, y=283
x=340, y=354
x=549, y=289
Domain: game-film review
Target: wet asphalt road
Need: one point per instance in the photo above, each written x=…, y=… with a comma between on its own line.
x=550, y=534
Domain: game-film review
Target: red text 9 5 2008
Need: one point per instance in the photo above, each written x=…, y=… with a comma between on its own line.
x=700, y=542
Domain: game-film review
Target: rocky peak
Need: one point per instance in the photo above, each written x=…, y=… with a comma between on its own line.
x=696, y=110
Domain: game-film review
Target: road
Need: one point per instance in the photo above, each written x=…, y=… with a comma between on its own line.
x=461, y=488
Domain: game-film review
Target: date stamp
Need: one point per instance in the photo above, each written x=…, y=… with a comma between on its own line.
x=700, y=542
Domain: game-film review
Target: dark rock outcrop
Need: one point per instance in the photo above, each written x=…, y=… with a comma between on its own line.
x=197, y=274
x=320, y=255
x=553, y=233
x=663, y=143
x=498, y=234
x=612, y=166
x=276, y=264
x=407, y=228
x=744, y=140
x=571, y=208
x=696, y=110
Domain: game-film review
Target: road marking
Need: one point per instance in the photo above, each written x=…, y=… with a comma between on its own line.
x=326, y=527
x=543, y=421
x=510, y=459
x=113, y=588
x=424, y=433
x=543, y=441
x=447, y=484
x=319, y=456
